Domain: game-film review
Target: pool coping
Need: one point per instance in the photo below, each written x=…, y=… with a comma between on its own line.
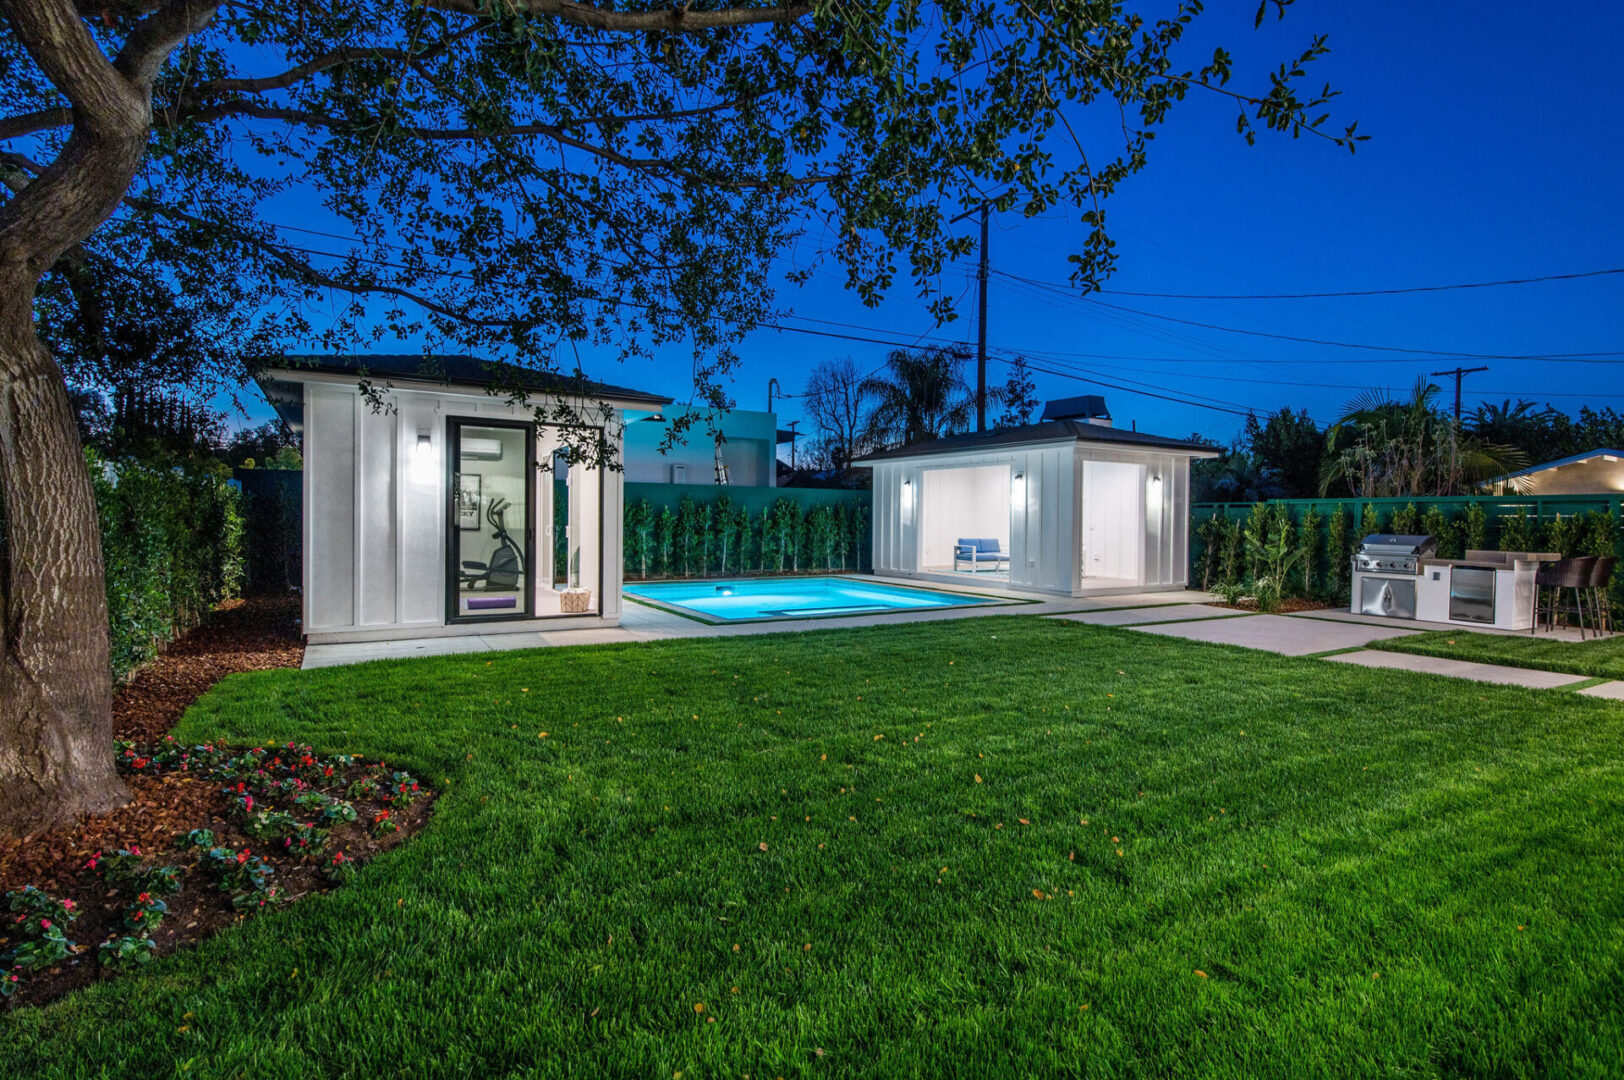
x=977, y=600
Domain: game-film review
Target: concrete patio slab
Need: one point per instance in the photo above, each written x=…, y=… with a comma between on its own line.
x=1140, y=616
x=1459, y=669
x=1145, y=599
x=1563, y=633
x=1613, y=691
x=319, y=656
x=1277, y=633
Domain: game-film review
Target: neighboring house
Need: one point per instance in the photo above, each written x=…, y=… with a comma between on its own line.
x=744, y=458
x=1069, y=506
x=1595, y=472
x=429, y=517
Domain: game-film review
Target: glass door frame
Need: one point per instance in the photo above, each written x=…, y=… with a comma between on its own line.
x=453, y=565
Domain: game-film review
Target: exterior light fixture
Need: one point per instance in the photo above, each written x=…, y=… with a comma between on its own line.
x=423, y=457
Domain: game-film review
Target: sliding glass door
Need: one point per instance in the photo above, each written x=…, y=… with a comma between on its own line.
x=490, y=534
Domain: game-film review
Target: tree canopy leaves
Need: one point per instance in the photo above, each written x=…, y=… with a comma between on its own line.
x=522, y=178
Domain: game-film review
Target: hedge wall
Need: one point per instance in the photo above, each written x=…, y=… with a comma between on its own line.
x=1232, y=543
x=172, y=544
x=726, y=534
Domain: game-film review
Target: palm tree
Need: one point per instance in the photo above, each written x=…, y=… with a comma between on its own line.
x=920, y=395
x=1391, y=447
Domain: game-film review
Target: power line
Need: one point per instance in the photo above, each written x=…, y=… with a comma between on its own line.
x=1367, y=292
x=1577, y=356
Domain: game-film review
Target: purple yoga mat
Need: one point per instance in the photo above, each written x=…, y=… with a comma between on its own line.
x=486, y=603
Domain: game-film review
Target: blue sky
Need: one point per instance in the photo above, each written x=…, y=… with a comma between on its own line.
x=1496, y=151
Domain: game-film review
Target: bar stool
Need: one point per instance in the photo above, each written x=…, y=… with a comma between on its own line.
x=1567, y=574
x=1601, y=604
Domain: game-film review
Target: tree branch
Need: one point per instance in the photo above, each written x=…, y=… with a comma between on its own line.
x=675, y=20
x=148, y=47
x=61, y=44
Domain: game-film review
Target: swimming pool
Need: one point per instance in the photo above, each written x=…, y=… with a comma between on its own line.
x=795, y=598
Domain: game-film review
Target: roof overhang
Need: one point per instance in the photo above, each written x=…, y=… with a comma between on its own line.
x=283, y=388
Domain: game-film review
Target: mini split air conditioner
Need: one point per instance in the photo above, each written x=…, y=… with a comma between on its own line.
x=477, y=449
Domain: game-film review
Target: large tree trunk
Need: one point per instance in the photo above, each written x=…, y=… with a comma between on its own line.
x=56, y=759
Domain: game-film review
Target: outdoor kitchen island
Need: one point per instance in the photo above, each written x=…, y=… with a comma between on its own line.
x=1485, y=589
x=1400, y=577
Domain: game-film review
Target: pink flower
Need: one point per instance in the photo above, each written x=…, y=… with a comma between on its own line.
x=67, y=905
x=45, y=924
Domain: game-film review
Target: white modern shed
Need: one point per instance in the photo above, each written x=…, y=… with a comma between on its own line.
x=425, y=510
x=1066, y=506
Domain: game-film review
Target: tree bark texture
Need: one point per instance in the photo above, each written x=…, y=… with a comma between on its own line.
x=56, y=758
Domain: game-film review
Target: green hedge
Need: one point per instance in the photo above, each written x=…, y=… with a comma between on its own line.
x=172, y=542
x=1232, y=541
x=698, y=537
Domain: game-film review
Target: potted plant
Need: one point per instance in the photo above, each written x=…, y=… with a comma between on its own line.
x=575, y=600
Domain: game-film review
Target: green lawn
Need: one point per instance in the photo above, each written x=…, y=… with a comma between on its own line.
x=1250, y=866
x=1601, y=657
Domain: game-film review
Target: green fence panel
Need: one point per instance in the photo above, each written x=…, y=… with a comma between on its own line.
x=1569, y=524
x=273, y=507
x=698, y=530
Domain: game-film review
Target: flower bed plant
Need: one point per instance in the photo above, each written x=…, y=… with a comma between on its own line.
x=286, y=822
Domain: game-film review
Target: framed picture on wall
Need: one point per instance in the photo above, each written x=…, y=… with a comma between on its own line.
x=468, y=489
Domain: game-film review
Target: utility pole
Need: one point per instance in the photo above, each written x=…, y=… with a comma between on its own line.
x=1454, y=432
x=793, y=435
x=981, y=320
x=1459, y=373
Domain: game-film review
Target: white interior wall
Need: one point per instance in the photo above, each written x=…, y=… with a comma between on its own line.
x=1113, y=539
x=968, y=501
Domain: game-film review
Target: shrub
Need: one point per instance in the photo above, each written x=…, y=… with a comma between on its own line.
x=172, y=544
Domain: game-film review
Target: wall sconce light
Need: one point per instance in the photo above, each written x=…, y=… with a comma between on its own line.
x=423, y=457
x=1017, y=486
x=1156, y=479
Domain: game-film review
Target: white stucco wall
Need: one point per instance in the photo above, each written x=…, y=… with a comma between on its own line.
x=375, y=514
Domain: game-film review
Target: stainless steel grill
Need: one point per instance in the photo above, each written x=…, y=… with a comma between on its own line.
x=1392, y=553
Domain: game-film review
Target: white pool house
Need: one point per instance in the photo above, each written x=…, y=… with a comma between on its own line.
x=428, y=515
x=1067, y=506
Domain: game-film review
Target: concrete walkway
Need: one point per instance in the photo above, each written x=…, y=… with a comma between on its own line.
x=1284, y=634
x=1142, y=616
x=1460, y=669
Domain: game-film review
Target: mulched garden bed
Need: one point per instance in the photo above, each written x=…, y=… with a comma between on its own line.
x=1288, y=606
x=211, y=834
x=255, y=634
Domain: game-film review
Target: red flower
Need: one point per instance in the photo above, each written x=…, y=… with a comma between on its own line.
x=143, y=897
x=242, y=856
x=45, y=924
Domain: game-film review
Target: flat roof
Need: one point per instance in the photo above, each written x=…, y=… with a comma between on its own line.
x=1047, y=431
x=458, y=370
x=276, y=376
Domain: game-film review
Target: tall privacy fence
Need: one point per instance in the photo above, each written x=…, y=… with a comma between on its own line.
x=172, y=543
x=1302, y=547
x=691, y=530
x=272, y=508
